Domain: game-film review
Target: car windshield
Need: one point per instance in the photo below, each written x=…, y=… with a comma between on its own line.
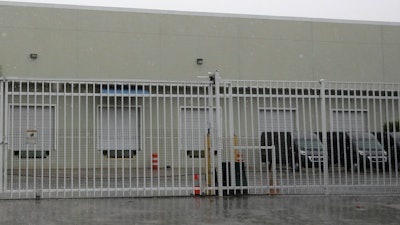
x=309, y=144
x=369, y=144
x=396, y=136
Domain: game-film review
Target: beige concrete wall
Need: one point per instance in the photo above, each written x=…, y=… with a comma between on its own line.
x=94, y=43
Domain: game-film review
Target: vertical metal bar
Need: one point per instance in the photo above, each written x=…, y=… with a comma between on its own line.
x=72, y=118
x=35, y=107
x=310, y=123
x=368, y=128
x=56, y=138
x=2, y=143
x=330, y=156
x=318, y=178
x=52, y=135
x=264, y=182
x=151, y=138
x=383, y=96
x=171, y=99
x=218, y=131
x=389, y=155
x=284, y=159
x=109, y=130
x=26, y=147
x=246, y=118
x=201, y=146
x=164, y=126
x=238, y=116
x=43, y=149
x=232, y=138
x=79, y=139
x=138, y=132
x=395, y=156
x=145, y=129
x=291, y=172
x=251, y=134
x=387, y=163
x=115, y=128
x=211, y=134
x=6, y=132
x=101, y=135
x=206, y=97
x=195, y=129
x=270, y=170
x=304, y=91
x=96, y=141
x=130, y=139
x=65, y=139
x=185, y=136
x=157, y=113
x=123, y=144
x=86, y=165
x=11, y=121
x=324, y=136
x=118, y=137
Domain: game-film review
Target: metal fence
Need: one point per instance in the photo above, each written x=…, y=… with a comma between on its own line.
x=65, y=138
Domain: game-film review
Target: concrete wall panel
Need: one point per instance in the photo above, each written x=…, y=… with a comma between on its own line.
x=275, y=60
x=392, y=62
x=118, y=55
x=56, y=53
x=274, y=29
x=344, y=32
x=348, y=62
x=118, y=22
x=93, y=43
x=38, y=18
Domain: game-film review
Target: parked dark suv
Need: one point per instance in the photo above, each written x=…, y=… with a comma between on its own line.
x=391, y=143
x=356, y=150
x=295, y=149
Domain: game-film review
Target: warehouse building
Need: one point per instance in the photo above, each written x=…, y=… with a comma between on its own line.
x=100, y=100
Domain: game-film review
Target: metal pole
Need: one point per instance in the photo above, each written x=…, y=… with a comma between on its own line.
x=210, y=133
x=324, y=135
x=232, y=141
x=1, y=135
x=218, y=131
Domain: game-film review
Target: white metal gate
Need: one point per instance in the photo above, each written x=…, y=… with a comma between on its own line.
x=64, y=138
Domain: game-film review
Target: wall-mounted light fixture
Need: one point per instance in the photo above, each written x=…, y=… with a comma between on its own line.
x=33, y=56
x=199, y=61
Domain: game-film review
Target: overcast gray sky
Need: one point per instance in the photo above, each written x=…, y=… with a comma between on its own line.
x=366, y=10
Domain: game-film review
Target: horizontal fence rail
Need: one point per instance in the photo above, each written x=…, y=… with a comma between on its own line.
x=67, y=139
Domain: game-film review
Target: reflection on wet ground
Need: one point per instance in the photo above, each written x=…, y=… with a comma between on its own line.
x=301, y=209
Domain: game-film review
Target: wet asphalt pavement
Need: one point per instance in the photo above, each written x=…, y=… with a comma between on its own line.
x=283, y=209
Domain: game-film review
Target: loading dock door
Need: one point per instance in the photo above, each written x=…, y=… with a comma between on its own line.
x=194, y=124
x=32, y=127
x=278, y=120
x=346, y=120
x=119, y=128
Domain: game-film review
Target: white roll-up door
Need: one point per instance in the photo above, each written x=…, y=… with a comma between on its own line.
x=346, y=120
x=32, y=127
x=194, y=124
x=282, y=120
x=119, y=128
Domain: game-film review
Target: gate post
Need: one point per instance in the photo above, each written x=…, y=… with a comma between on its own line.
x=218, y=131
x=215, y=142
x=324, y=135
x=1, y=134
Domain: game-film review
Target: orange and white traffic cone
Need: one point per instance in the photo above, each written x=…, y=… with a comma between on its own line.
x=238, y=157
x=196, y=185
x=154, y=161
